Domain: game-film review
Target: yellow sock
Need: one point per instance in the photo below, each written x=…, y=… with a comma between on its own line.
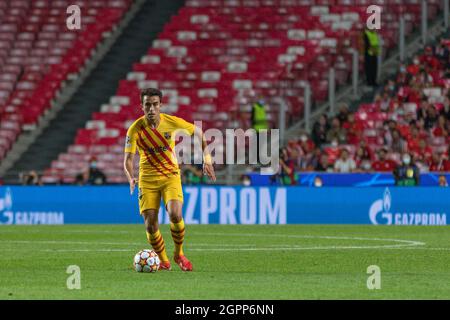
x=157, y=242
x=177, y=230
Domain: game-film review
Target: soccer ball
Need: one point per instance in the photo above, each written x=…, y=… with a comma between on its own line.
x=146, y=261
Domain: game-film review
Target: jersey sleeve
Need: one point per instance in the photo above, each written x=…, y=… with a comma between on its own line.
x=130, y=140
x=184, y=126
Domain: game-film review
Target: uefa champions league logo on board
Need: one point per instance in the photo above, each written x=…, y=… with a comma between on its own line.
x=382, y=206
x=6, y=206
x=21, y=216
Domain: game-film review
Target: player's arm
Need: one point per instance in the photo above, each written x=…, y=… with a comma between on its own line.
x=128, y=162
x=129, y=170
x=208, y=168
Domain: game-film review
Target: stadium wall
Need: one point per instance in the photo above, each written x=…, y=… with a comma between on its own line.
x=230, y=205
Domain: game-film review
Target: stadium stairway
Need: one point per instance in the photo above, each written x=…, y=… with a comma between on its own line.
x=97, y=89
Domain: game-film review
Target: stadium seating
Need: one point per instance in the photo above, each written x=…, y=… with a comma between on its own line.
x=414, y=108
x=38, y=53
x=215, y=57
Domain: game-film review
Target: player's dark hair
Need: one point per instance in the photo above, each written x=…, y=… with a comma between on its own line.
x=151, y=92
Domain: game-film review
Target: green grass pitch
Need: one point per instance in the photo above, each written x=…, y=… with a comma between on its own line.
x=230, y=262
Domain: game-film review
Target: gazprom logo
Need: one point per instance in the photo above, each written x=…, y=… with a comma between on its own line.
x=380, y=212
x=382, y=206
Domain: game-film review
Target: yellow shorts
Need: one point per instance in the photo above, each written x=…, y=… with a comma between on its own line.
x=169, y=189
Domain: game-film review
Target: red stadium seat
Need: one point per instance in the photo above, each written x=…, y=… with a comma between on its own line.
x=215, y=56
x=33, y=46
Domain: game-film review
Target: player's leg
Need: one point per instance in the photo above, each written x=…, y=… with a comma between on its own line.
x=172, y=194
x=149, y=207
x=174, y=208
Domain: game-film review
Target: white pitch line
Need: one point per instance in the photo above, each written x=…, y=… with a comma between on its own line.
x=407, y=242
x=251, y=249
x=70, y=242
x=404, y=242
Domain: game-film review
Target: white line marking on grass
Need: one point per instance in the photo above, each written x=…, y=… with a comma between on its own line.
x=406, y=244
x=248, y=249
x=71, y=242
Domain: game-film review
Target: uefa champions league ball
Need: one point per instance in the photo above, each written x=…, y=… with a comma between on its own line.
x=146, y=261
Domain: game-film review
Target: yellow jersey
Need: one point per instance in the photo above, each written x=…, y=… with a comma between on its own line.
x=156, y=147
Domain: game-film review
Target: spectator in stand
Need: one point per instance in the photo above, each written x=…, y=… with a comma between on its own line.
x=332, y=151
x=407, y=173
x=363, y=158
x=411, y=92
x=423, y=107
x=345, y=163
x=306, y=144
x=431, y=117
x=81, y=178
x=388, y=127
x=324, y=165
x=413, y=137
x=440, y=129
x=383, y=164
x=424, y=77
x=382, y=101
x=398, y=144
x=343, y=112
x=314, y=160
x=320, y=129
x=300, y=151
x=414, y=68
x=403, y=76
x=428, y=59
x=287, y=173
x=398, y=109
x=95, y=175
x=423, y=153
x=437, y=163
x=336, y=132
x=193, y=174
x=353, y=128
x=448, y=130
x=362, y=164
x=446, y=109
x=32, y=178
x=390, y=88
x=367, y=152
x=442, y=51
x=420, y=163
x=371, y=50
x=420, y=124
x=446, y=161
x=294, y=149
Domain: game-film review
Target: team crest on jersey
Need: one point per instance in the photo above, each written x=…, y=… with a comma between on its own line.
x=167, y=135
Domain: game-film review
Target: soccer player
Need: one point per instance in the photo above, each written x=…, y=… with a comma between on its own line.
x=159, y=175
